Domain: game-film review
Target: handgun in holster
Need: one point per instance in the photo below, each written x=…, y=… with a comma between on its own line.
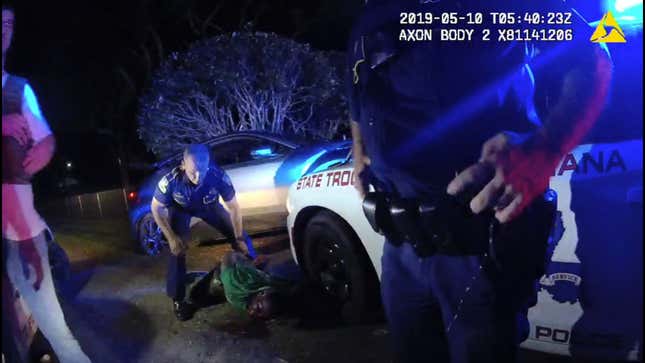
x=442, y=226
x=448, y=226
x=376, y=207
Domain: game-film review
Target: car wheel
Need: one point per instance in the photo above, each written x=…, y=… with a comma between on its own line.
x=334, y=258
x=151, y=239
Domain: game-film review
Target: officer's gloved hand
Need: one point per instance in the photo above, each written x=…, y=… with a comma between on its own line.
x=513, y=169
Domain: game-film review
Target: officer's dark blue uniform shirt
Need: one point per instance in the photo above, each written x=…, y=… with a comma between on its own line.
x=175, y=189
x=426, y=108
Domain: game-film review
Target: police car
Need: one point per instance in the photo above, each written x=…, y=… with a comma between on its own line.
x=261, y=167
x=590, y=298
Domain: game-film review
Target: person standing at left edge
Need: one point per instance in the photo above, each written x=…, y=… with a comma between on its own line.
x=28, y=146
x=193, y=190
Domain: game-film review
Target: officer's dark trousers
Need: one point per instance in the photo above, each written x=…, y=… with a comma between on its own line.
x=217, y=217
x=428, y=321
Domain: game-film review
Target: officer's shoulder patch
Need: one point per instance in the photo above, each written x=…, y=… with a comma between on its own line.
x=167, y=179
x=163, y=184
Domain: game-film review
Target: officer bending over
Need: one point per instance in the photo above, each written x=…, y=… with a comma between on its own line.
x=190, y=190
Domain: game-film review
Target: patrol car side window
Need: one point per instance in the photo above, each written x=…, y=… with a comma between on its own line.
x=260, y=149
x=225, y=153
x=245, y=150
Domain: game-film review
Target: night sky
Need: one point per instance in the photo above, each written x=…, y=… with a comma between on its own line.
x=88, y=61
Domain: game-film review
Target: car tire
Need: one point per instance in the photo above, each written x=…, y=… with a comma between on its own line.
x=334, y=258
x=150, y=239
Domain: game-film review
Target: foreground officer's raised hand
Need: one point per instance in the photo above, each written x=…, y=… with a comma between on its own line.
x=512, y=171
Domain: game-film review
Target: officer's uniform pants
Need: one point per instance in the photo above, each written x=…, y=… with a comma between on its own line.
x=217, y=217
x=445, y=309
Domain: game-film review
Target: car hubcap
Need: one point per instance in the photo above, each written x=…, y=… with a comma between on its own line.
x=332, y=270
x=151, y=239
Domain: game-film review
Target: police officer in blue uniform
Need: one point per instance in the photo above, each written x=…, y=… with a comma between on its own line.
x=459, y=150
x=193, y=190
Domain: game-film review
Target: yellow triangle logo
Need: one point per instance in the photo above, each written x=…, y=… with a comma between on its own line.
x=615, y=35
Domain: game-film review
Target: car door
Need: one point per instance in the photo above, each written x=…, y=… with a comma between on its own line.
x=590, y=299
x=251, y=163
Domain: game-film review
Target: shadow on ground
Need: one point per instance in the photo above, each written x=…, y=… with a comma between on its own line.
x=80, y=276
x=109, y=330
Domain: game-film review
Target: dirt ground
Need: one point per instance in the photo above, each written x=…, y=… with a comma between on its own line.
x=117, y=308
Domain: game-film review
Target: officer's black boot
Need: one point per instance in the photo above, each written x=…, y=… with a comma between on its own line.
x=183, y=310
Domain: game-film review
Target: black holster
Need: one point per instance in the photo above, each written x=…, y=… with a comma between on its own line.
x=448, y=226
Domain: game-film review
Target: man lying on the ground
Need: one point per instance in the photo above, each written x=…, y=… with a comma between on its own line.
x=248, y=288
x=264, y=292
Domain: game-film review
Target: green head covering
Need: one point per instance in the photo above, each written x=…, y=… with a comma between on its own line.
x=241, y=282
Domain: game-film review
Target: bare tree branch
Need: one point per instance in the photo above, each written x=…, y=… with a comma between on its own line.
x=241, y=81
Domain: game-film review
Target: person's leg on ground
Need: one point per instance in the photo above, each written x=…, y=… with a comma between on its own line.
x=43, y=302
x=413, y=315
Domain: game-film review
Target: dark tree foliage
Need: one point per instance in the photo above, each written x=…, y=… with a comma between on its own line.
x=242, y=81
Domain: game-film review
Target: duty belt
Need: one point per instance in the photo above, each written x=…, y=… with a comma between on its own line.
x=448, y=226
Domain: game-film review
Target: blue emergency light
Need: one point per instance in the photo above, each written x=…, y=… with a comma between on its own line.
x=627, y=12
x=262, y=152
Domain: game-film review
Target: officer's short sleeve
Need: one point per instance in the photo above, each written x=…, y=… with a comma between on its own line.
x=225, y=186
x=163, y=192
